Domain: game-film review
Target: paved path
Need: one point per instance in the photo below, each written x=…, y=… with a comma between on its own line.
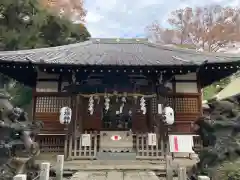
x=115, y=175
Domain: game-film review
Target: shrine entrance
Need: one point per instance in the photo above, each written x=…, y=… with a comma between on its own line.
x=118, y=127
x=118, y=114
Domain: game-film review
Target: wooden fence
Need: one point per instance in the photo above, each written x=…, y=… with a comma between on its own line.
x=51, y=143
x=75, y=149
x=146, y=151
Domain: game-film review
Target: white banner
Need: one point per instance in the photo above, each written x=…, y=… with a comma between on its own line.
x=181, y=143
x=152, y=139
x=86, y=140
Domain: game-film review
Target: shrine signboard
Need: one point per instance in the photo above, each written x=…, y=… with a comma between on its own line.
x=86, y=140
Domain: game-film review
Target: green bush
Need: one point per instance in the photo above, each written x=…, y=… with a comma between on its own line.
x=229, y=171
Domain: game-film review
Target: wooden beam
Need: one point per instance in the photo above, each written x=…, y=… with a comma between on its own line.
x=58, y=94
x=184, y=81
x=48, y=79
x=60, y=83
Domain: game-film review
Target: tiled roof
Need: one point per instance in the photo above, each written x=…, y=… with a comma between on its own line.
x=232, y=89
x=135, y=52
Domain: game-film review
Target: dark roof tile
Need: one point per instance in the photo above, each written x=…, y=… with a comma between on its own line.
x=115, y=52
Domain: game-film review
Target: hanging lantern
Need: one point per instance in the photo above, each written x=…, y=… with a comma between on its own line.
x=65, y=115
x=90, y=105
x=169, y=115
x=143, y=105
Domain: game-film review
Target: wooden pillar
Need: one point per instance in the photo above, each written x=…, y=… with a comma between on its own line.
x=151, y=112
x=79, y=110
x=2, y=84
x=200, y=98
x=34, y=98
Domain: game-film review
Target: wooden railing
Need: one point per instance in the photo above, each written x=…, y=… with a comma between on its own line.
x=51, y=143
x=144, y=151
x=74, y=149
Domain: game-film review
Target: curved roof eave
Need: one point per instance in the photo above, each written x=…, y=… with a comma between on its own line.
x=122, y=52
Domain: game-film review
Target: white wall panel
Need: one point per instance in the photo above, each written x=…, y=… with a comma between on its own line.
x=186, y=87
x=43, y=86
x=189, y=76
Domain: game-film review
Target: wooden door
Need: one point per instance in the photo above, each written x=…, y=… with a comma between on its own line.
x=90, y=122
x=95, y=121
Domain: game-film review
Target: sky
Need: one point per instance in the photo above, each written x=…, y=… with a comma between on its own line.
x=129, y=18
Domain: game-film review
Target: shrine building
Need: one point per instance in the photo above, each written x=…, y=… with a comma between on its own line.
x=113, y=87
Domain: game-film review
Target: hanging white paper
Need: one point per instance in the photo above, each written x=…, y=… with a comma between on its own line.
x=181, y=143
x=86, y=140
x=152, y=139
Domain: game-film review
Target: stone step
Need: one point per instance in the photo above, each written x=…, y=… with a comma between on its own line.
x=115, y=175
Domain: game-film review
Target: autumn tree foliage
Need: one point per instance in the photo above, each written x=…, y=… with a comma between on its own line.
x=207, y=28
x=26, y=24
x=162, y=35
x=73, y=9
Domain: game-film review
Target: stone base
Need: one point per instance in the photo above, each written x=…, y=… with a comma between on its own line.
x=116, y=156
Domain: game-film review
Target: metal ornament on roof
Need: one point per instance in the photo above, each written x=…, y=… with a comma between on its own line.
x=65, y=115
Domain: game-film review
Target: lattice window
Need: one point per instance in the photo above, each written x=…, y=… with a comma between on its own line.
x=183, y=105
x=169, y=101
x=51, y=103
x=154, y=105
x=186, y=105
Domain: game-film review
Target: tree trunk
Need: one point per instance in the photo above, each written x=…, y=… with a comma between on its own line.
x=2, y=87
